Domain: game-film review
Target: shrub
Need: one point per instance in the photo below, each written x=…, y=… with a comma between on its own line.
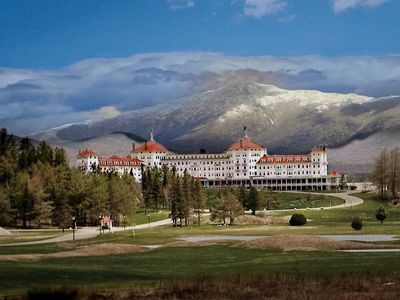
x=297, y=220
x=356, y=224
x=380, y=214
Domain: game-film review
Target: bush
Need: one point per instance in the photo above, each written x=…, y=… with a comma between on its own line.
x=380, y=214
x=297, y=220
x=356, y=224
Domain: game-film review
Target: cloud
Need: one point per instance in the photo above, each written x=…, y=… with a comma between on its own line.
x=342, y=5
x=260, y=8
x=89, y=90
x=179, y=4
x=287, y=19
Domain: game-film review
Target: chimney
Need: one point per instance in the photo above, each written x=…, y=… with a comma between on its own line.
x=245, y=131
x=133, y=147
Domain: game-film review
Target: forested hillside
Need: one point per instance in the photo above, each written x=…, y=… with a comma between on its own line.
x=38, y=188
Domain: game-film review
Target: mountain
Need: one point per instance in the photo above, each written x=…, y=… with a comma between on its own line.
x=118, y=143
x=286, y=121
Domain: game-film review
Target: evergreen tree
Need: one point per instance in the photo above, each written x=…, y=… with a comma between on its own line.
x=95, y=203
x=380, y=214
x=147, y=189
x=165, y=186
x=176, y=198
x=60, y=157
x=5, y=208
x=199, y=198
x=7, y=143
x=243, y=195
x=253, y=200
x=227, y=205
x=27, y=154
x=45, y=153
x=156, y=188
x=187, y=198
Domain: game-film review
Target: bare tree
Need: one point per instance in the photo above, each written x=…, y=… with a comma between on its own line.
x=380, y=175
x=394, y=175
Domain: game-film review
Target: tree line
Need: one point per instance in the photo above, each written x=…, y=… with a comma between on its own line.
x=184, y=196
x=37, y=187
x=386, y=174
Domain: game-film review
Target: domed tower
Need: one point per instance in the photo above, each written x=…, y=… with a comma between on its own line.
x=150, y=152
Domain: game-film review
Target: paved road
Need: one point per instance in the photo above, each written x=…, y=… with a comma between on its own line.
x=87, y=233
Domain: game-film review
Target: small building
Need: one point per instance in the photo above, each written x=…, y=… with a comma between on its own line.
x=106, y=223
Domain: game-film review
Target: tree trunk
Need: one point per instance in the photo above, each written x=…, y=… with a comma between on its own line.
x=198, y=216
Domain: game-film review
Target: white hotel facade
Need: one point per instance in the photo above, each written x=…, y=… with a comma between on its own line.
x=244, y=162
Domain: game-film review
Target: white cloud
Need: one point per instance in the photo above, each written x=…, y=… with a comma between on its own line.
x=178, y=4
x=261, y=8
x=32, y=100
x=342, y=5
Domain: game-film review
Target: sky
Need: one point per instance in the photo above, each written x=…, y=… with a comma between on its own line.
x=76, y=61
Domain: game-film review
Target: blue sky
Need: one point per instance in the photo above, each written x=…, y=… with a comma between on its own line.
x=45, y=34
x=84, y=60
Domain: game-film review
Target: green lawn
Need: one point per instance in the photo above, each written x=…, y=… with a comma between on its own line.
x=338, y=220
x=142, y=217
x=28, y=235
x=213, y=261
x=282, y=200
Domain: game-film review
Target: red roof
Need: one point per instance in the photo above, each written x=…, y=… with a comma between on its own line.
x=106, y=219
x=115, y=161
x=334, y=174
x=245, y=143
x=151, y=146
x=277, y=159
x=86, y=152
x=319, y=149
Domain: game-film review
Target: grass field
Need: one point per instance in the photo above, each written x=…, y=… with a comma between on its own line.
x=282, y=200
x=212, y=261
x=142, y=217
x=171, y=263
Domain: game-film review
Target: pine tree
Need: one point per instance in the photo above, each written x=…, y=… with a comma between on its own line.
x=45, y=153
x=227, y=205
x=5, y=208
x=187, y=197
x=60, y=157
x=27, y=154
x=176, y=198
x=199, y=198
x=253, y=200
x=147, y=190
x=243, y=195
